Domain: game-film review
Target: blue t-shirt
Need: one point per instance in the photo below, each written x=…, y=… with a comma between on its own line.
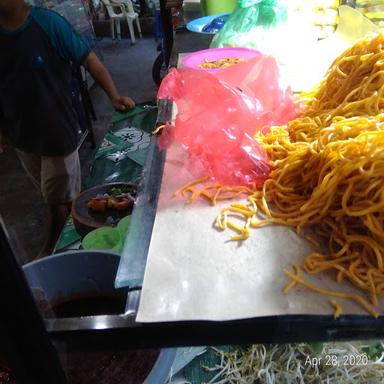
x=36, y=111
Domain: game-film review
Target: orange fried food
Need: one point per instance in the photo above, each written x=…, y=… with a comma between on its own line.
x=221, y=63
x=98, y=205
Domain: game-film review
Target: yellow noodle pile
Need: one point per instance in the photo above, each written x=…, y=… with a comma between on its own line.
x=328, y=176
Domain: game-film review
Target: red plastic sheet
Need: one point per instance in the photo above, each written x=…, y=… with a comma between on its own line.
x=218, y=114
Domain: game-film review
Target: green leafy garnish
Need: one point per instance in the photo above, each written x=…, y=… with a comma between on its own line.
x=117, y=191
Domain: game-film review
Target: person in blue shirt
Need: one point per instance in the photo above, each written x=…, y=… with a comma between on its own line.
x=38, y=49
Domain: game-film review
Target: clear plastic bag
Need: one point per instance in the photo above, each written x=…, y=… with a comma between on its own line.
x=254, y=24
x=218, y=114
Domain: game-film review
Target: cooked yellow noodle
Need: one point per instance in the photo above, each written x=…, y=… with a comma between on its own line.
x=337, y=309
x=328, y=175
x=357, y=298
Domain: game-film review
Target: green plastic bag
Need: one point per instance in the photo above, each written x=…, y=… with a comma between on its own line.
x=254, y=24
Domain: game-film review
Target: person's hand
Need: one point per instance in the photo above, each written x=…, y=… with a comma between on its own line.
x=123, y=103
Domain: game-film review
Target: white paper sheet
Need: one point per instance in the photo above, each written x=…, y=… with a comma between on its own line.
x=194, y=273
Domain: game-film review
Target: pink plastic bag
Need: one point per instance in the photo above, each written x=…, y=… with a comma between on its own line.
x=217, y=116
x=259, y=79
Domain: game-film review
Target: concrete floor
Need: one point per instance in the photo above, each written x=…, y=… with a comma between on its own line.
x=21, y=206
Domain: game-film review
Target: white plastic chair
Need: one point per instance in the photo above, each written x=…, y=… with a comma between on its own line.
x=115, y=13
x=130, y=15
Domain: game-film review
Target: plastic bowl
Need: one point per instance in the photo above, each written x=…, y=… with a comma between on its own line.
x=193, y=60
x=103, y=238
x=216, y=24
x=74, y=274
x=197, y=25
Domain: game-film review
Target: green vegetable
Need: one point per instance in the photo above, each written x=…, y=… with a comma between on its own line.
x=317, y=348
x=374, y=350
x=117, y=191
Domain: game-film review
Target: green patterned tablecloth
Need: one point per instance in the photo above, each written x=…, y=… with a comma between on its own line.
x=120, y=157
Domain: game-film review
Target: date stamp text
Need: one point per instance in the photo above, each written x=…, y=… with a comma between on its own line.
x=337, y=360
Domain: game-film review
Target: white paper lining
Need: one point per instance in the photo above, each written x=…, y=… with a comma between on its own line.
x=194, y=273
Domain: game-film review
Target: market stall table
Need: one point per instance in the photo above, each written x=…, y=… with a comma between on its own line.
x=267, y=329
x=113, y=331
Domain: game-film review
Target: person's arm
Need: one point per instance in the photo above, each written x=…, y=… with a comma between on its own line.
x=100, y=73
x=73, y=48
